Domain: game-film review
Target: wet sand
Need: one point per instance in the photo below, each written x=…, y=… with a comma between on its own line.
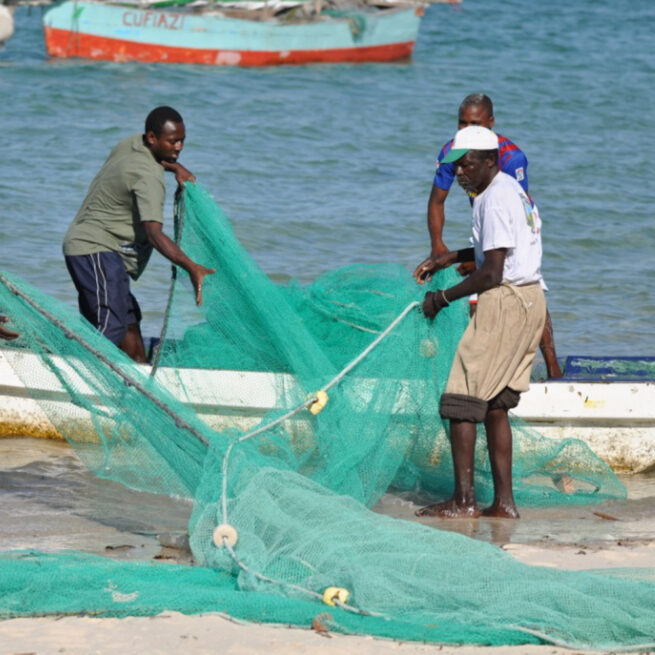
x=48, y=502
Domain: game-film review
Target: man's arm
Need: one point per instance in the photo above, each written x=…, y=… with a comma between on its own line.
x=182, y=174
x=489, y=275
x=170, y=250
x=436, y=220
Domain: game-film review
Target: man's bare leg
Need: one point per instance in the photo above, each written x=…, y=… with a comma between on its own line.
x=463, y=503
x=499, y=442
x=547, y=346
x=132, y=343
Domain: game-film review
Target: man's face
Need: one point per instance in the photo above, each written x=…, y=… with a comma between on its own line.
x=168, y=145
x=474, y=115
x=472, y=173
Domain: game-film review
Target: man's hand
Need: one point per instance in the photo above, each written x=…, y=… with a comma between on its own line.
x=466, y=268
x=182, y=174
x=197, y=274
x=7, y=335
x=433, y=303
x=431, y=264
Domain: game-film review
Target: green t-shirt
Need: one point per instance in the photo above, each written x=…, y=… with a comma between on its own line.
x=128, y=189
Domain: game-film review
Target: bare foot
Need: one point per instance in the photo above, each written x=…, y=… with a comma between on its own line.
x=502, y=511
x=450, y=510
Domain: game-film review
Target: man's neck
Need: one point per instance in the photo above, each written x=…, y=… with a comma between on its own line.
x=492, y=174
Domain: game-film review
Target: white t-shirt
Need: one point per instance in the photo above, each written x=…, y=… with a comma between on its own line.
x=503, y=217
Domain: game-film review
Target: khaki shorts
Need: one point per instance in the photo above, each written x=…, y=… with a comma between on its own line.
x=495, y=354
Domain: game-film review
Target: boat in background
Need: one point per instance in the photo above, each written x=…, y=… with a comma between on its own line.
x=6, y=23
x=241, y=33
x=614, y=415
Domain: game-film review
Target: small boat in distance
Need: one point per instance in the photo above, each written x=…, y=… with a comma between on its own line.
x=240, y=33
x=6, y=23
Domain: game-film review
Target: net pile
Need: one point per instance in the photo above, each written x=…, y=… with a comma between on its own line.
x=334, y=402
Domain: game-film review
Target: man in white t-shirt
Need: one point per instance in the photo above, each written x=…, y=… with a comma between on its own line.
x=494, y=357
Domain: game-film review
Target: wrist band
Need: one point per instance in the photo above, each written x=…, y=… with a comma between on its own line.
x=443, y=296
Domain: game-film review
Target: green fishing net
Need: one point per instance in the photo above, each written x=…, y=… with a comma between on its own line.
x=285, y=413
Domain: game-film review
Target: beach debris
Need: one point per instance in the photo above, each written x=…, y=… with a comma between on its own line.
x=319, y=624
x=179, y=541
x=120, y=547
x=429, y=348
x=564, y=483
x=118, y=596
x=605, y=517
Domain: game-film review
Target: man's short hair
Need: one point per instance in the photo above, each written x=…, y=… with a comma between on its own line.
x=478, y=100
x=159, y=116
x=481, y=155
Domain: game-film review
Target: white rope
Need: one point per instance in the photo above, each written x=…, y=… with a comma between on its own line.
x=310, y=401
x=307, y=403
x=372, y=345
x=309, y=592
x=337, y=378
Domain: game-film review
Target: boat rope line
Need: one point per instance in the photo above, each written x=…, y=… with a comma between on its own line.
x=178, y=224
x=225, y=535
x=128, y=380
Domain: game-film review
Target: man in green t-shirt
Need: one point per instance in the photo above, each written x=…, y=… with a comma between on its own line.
x=120, y=222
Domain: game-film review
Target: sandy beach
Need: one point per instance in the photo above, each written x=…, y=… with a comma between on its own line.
x=172, y=633
x=50, y=502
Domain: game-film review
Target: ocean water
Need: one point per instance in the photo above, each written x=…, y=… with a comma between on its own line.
x=324, y=166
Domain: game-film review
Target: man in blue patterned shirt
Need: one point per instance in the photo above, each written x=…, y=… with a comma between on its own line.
x=477, y=109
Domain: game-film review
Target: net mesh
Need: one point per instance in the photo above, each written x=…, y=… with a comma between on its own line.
x=229, y=417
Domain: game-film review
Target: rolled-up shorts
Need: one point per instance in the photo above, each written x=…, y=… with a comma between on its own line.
x=494, y=357
x=104, y=295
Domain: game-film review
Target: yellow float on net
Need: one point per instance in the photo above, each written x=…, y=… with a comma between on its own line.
x=333, y=594
x=321, y=401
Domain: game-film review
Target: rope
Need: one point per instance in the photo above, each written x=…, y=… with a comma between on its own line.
x=309, y=592
x=372, y=345
x=337, y=378
x=309, y=401
x=178, y=223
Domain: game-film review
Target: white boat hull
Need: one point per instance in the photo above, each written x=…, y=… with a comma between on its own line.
x=616, y=419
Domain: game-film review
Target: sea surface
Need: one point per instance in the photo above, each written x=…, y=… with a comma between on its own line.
x=326, y=165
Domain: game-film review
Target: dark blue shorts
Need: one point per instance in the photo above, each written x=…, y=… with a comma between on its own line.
x=104, y=296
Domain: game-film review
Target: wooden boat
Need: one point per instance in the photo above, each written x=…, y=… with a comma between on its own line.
x=233, y=34
x=614, y=415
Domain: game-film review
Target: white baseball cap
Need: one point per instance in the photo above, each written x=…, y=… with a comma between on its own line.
x=473, y=137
